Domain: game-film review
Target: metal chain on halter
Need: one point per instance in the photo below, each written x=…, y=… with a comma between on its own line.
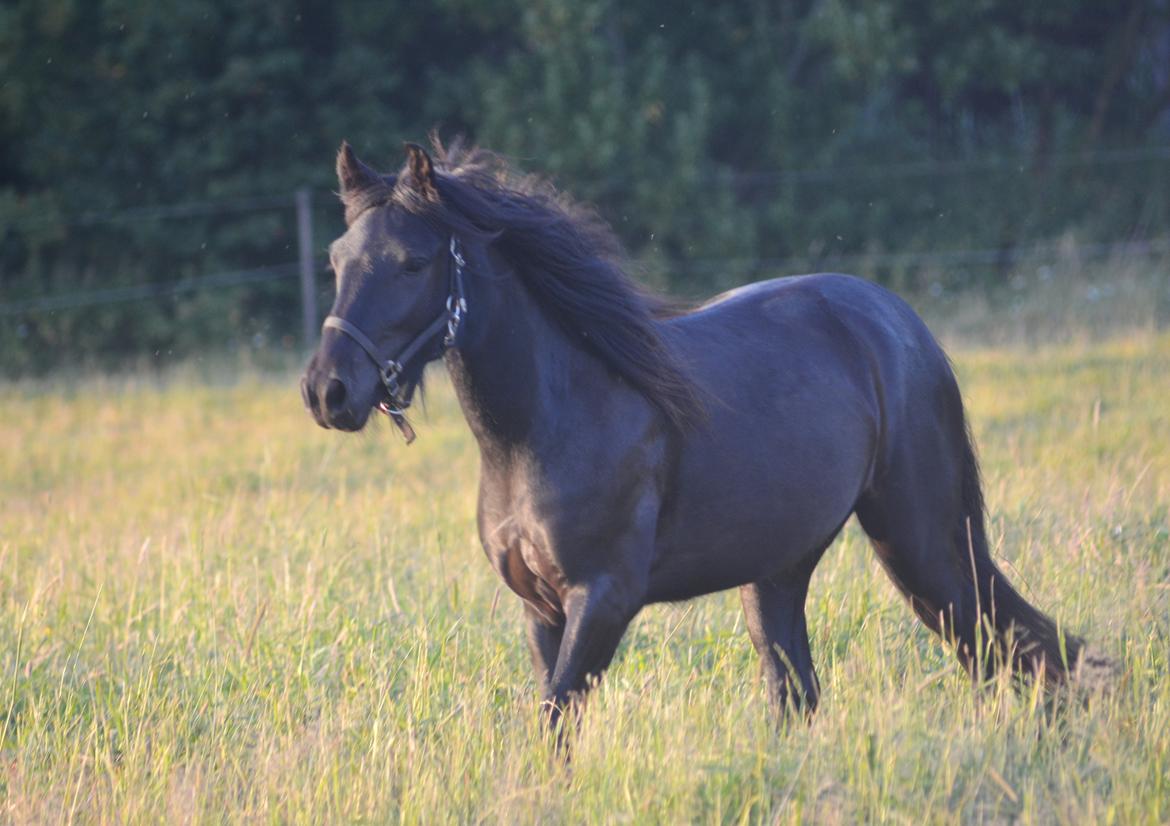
x=456, y=302
x=390, y=382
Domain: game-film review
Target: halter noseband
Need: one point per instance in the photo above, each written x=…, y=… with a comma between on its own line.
x=391, y=368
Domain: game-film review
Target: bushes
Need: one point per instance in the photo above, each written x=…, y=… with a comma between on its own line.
x=787, y=134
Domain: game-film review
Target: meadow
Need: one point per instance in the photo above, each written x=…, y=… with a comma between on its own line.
x=213, y=611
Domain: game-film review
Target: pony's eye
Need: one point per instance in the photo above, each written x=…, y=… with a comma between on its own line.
x=413, y=265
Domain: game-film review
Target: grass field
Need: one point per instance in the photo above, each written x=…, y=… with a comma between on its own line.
x=213, y=611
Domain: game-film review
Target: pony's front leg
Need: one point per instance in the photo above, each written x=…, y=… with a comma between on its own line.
x=596, y=616
x=544, y=643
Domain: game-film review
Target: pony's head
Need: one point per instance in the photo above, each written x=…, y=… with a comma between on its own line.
x=393, y=268
x=398, y=282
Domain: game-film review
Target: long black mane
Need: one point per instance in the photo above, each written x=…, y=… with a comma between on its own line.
x=566, y=256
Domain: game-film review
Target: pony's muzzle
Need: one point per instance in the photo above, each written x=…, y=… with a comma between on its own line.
x=333, y=401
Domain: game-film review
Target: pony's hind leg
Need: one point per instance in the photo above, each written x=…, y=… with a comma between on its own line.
x=774, y=610
x=924, y=516
x=911, y=527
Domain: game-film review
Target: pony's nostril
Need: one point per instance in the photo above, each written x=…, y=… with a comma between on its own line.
x=334, y=395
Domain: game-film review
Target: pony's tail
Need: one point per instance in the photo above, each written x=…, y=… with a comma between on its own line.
x=1023, y=635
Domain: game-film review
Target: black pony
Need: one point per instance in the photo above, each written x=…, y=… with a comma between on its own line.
x=634, y=453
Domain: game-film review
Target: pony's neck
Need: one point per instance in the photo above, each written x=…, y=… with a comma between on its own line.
x=514, y=369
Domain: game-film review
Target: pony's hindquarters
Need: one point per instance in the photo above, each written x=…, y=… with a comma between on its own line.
x=925, y=516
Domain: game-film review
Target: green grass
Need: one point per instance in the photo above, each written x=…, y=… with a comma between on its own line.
x=213, y=611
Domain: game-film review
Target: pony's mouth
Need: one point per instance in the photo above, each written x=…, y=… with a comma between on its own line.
x=382, y=403
x=353, y=419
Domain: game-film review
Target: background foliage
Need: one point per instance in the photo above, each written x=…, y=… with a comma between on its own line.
x=148, y=142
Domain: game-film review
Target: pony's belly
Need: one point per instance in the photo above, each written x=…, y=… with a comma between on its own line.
x=717, y=557
x=745, y=512
x=684, y=576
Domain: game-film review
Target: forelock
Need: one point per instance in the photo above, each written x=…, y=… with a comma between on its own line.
x=358, y=201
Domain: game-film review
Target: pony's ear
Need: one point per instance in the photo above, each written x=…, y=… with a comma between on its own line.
x=352, y=174
x=421, y=171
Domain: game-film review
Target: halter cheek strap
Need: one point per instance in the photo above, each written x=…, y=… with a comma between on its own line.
x=390, y=369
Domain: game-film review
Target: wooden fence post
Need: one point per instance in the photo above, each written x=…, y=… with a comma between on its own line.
x=309, y=321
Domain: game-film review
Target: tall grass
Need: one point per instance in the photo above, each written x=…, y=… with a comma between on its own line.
x=212, y=611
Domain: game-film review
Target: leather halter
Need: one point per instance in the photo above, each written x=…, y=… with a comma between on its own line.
x=391, y=368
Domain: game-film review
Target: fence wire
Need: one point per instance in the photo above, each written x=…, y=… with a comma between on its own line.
x=144, y=292
x=740, y=266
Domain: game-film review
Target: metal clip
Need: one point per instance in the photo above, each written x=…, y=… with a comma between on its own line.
x=456, y=307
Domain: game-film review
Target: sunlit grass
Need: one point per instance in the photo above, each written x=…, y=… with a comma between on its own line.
x=211, y=610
